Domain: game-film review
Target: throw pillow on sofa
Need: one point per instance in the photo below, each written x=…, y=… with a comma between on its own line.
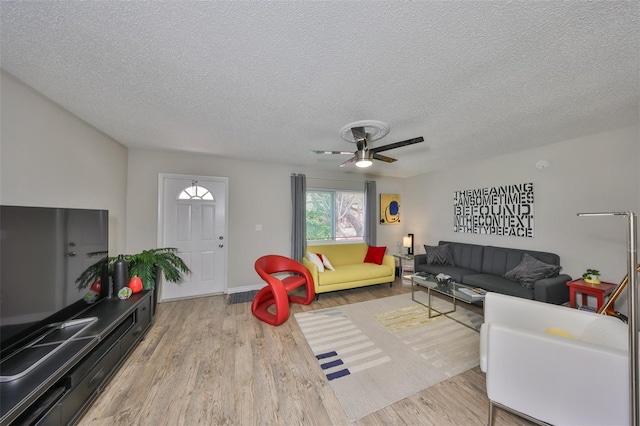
x=531, y=270
x=375, y=255
x=315, y=260
x=439, y=255
x=325, y=262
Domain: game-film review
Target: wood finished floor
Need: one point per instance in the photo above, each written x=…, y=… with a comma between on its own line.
x=209, y=363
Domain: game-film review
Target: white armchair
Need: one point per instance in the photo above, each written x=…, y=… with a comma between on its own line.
x=582, y=379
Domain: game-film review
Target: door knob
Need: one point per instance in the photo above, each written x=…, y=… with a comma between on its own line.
x=71, y=253
x=220, y=245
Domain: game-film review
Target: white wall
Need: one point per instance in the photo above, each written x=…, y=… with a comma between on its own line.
x=589, y=174
x=259, y=193
x=51, y=158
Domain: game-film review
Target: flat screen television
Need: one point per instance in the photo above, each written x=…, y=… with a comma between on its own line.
x=42, y=253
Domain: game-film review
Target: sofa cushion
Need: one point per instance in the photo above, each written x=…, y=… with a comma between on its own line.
x=497, y=284
x=354, y=272
x=530, y=270
x=375, y=255
x=467, y=256
x=341, y=254
x=499, y=260
x=440, y=255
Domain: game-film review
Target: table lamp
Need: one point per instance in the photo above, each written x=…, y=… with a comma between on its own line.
x=407, y=242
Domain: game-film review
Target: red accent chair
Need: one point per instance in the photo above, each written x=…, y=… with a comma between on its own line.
x=276, y=292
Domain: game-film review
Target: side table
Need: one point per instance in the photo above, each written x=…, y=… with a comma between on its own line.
x=405, y=268
x=600, y=291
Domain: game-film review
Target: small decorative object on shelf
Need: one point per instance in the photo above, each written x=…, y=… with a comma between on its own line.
x=135, y=284
x=592, y=276
x=124, y=293
x=443, y=278
x=91, y=296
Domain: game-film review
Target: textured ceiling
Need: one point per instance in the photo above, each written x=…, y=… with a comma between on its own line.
x=270, y=81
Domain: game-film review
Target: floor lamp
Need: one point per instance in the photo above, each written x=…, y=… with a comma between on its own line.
x=632, y=261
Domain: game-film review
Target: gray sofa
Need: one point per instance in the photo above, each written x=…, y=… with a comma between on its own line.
x=485, y=267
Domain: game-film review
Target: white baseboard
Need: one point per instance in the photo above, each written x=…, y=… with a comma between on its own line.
x=244, y=288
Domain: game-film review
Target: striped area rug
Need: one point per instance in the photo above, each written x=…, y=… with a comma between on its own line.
x=378, y=352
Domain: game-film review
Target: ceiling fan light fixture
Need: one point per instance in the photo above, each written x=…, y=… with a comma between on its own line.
x=361, y=133
x=363, y=159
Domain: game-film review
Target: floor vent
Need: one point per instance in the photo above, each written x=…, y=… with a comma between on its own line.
x=246, y=296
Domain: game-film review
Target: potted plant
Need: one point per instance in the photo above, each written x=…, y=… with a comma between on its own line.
x=148, y=265
x=592, y=276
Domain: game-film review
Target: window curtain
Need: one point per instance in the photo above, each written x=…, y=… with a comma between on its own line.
x=299, y=219
x=370, y=222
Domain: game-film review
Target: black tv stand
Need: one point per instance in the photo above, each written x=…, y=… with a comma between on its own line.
x=60, y=388
x=29, y=357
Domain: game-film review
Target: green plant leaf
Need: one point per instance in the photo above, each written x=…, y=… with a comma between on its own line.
x=144, y=265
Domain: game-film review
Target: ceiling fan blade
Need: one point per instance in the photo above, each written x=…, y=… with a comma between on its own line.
x=397, y=144
x=332, y=152
x=350, y=161
x=358, y=133
x=383, y=158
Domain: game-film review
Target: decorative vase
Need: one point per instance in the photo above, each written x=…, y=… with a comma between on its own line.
x=106, y=289
x=120, y=274
x=135, y=284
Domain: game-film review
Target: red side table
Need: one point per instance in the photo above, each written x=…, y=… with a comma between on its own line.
x=600, y=291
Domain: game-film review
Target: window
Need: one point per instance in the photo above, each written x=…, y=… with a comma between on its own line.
x=334, y=215
x=195, y=192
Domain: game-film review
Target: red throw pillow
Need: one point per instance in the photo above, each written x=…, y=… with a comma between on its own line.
x=375, y=255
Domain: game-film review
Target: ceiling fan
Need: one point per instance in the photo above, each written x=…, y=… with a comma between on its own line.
x=364, y=156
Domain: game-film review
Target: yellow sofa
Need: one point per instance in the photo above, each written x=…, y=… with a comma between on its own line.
x=350, y=269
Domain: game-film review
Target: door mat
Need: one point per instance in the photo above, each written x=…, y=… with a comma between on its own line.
x=245, y=296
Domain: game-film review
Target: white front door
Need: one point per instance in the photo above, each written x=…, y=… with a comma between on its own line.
x=194, y=222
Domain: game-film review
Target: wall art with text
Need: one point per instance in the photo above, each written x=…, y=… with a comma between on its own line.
x=499, y=210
